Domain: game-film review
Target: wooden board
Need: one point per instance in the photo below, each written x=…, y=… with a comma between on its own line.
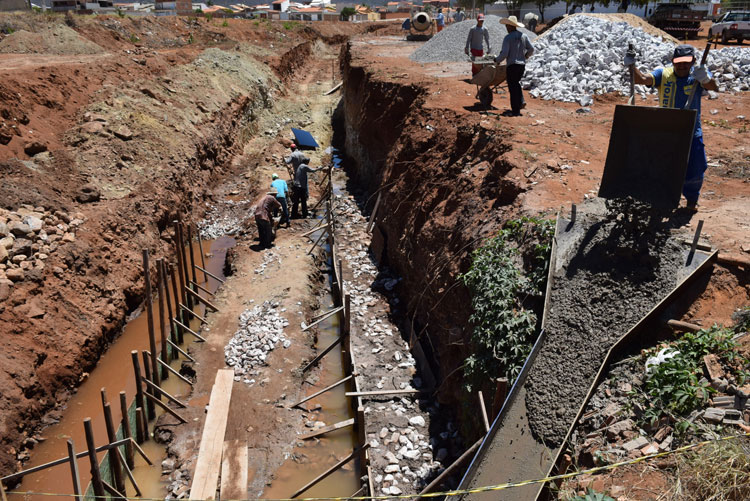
x=328, y=429
x=206, y=476
x=234, y=470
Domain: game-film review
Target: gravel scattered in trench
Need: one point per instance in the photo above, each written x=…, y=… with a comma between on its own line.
x=260, y=331
x=610, y=283
x=406, y=449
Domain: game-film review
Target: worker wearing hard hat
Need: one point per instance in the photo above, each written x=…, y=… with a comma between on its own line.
x=675, y=84
x=296, y=158
x=516, y=49
x=475, y=42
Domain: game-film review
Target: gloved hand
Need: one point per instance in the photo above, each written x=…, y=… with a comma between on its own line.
x=701, y=74
x=629, y=59
x=466, y=51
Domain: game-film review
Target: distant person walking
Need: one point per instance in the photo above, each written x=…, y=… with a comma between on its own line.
x=440, y=20
x=300, y=191
x=516, y=49
x=263, y=209
x=475, y=43
x=281, y=191
x=459, y=15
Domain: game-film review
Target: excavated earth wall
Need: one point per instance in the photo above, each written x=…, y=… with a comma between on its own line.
x=445, y=185
x=146, y=131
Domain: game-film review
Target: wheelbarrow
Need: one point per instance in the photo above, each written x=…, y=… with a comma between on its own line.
x=488, y=79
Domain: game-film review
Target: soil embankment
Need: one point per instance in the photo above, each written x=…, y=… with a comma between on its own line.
x=448, y=177
x=125, y=142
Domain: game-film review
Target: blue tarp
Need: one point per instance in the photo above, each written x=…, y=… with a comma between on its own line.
x=304, y=139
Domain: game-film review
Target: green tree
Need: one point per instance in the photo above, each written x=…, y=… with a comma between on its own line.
x=541, y=5
x=347, y=12
x=209, y=3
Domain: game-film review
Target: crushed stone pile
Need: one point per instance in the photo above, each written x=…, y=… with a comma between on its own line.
x=448, y=45
x=261, y=329
x=583, y=56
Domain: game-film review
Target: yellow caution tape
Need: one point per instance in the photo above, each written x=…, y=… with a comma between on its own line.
x=498, y=487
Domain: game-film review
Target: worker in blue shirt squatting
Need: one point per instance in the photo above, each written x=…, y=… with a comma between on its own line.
x=516, y=49
x=674, y=84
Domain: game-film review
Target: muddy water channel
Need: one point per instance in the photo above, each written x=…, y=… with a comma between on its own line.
x=310, y=458
x=114, y=373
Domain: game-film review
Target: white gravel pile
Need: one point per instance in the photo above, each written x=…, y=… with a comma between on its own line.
x=449, y=44
x=584, y=55
x=261, y=329
x=225, y=218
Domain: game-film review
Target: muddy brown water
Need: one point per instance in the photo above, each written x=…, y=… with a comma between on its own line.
x=114, y=372
x=316, y=456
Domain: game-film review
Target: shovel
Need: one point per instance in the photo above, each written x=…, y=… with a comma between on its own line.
x=648, y=152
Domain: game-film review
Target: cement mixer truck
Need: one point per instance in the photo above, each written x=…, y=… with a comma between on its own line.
x=421, y=28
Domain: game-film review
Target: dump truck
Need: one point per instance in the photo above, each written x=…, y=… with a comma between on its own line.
x=678, y=19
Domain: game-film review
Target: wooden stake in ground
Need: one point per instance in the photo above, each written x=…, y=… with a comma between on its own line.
x=178, y=301
x=126, y=430
x=96, y=478
x=170, y=313
x=113, y=455
x=138, y=386
x=208, y=464
x=162, y=330
x=150, y=316
x=73, y=472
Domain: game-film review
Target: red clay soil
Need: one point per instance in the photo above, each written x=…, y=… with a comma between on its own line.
x=100, y=119
x=450, y=177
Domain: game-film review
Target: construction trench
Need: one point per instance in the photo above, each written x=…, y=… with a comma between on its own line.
x=410, y=186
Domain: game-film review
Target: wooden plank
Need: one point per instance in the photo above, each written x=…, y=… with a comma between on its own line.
x=189, y=330
x=334, y=385
x=332, y=312
x=322, y=354
x=328, y=472
x=206, y=476
x=206, y=272
x=165, y=407
x=334, y=89
x=327, y=429
x=383, y=392
x=483, y=410
x=234, y=470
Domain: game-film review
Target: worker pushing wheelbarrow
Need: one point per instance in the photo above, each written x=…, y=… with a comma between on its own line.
x=488, y=79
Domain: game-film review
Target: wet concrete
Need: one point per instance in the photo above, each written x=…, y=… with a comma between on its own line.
x=611, y=267
x=114, y=372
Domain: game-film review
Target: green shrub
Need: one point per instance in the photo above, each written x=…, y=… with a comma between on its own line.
x=674, y=387
x=503, y=328
x=134, y=38
x=288, y=25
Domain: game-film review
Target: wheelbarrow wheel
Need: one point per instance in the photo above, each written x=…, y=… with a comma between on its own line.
x=485, y=97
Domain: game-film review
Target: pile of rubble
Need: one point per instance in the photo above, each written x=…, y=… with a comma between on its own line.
x=612, y=429
x=404, y=456
x=584, y=56
x=261, y=329
x=28, y=236
x=225, y=218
